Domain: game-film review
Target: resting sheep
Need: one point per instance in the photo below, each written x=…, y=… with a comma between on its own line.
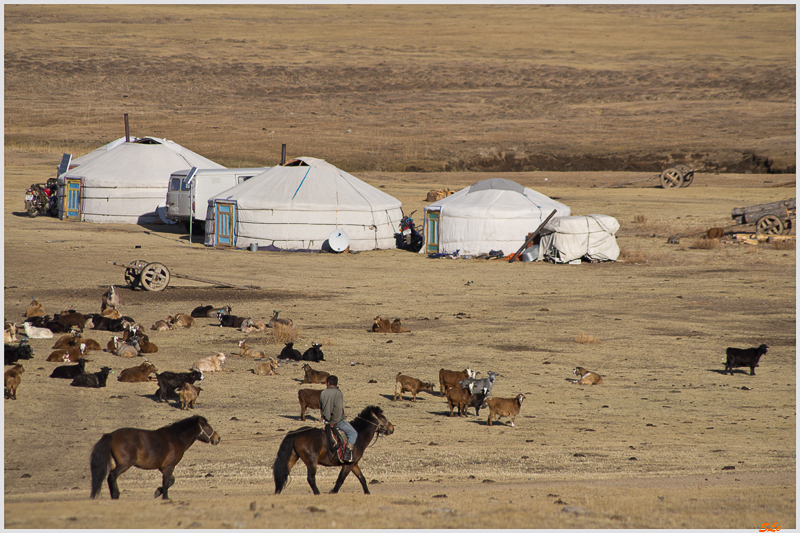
x=586, y=377
x=138, y=374
x=314, y=376
x=509, y=407
x=267, y=368
x=737, y=357
x=450, y=378
x=13, y=377
x=409, y=384
x=32, y=332
x=210, y=363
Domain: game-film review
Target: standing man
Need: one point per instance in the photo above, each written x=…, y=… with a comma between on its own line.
x=331, y=402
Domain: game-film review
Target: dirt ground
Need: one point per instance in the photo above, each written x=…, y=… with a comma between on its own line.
x=667, y=441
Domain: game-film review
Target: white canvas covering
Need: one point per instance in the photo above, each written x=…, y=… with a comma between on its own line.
x=299, y=205
x=566, y=239
x=494, y=214
x=127, y=182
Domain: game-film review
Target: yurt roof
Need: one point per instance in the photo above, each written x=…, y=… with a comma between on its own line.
x=498, y=198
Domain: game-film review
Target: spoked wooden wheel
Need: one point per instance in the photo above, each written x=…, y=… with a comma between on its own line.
x=155, y=277
x=671, y=178
x=688, y=174
x=769, y=225
x=787, y=226
x=133, y=273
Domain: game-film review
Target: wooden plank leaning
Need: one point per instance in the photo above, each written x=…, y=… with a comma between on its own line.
x=533, y=235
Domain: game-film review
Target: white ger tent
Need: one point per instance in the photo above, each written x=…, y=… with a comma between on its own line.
x=298, y=205
x=573, y=238
x=124, y=182
x=492, y=215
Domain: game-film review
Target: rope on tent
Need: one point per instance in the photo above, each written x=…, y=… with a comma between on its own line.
x=301, y=183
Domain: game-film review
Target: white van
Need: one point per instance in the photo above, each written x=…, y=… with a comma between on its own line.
x=190, y=189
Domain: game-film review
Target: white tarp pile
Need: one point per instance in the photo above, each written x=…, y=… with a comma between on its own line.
x=566, y=239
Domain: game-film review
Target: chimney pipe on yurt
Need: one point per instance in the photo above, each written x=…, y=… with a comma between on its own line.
x=127, y=130
x=283, y=154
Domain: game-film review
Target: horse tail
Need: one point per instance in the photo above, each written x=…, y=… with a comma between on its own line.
x=100, y=463
x=280, y=468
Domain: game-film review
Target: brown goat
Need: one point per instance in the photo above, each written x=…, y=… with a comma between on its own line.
x=459, y=397
x=450, y=378
x=409, y=384
x=145, y=346
x=309, y=399
x=12, y=380
x=188, y=395
x=210, y=363
x=181, y=320
x=110, y=313
x=34, y=309
x=138, y=374
x=314, y=376
x=267, y=368
x=65, y=341
x=71, y=354
x=275, y=320
x=247, y=351
x=586, y=377
x=162, y=325
x=382, y=325
x=509, y=407
x=398, y=328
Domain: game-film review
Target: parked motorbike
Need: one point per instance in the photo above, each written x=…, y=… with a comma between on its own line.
x=41, y=199
x=409, y=238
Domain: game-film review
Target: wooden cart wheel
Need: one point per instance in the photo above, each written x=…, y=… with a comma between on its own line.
x=155, y=277
x=671, y=178
x=787, y=226
x=688, y=174
x=133, y=273
x=769, y=225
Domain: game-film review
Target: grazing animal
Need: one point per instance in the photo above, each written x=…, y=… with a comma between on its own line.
x=138, y=374
x=34, y=309
x=181, y=320
x=483, y=383
x=32, y=332
x=737, y=357
x=169, y=381
x=96, y=380
x=210, y=363
x=69, y=371
x=110, y=299
x=309, y=445
x=409, y=384
x=10, y=332
x=275, y=320
x=450, y=378
x=459, y=397
x=314, y=376
x=289, y=352
x=247, y=351
x=586, y=377
x=188, y=395
x=509, y=407
x=314, y=353
x=382, y=325
x=15, y=352
x=13, y=377
x=267, y=368
x=161, y=448
x=309, y=399
x=71, y=354
x=397, y=327
x=162, y=325
x=145, y=346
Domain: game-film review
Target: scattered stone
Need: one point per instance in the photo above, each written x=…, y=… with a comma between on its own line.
x=575, y=510
x=440, y=495
x=729, y=468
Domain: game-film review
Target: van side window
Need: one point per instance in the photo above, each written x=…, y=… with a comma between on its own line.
x=176, y=184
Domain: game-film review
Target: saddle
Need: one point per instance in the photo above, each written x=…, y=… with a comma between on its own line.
x=337, y=441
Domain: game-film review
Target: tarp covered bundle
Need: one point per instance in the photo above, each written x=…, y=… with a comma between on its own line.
x=126, y=182
x=297, y=206
x=494, y=214
x=566, y=239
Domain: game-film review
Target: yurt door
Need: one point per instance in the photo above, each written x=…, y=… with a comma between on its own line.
x=226, y=222
x=432, y=232
x=73, y=199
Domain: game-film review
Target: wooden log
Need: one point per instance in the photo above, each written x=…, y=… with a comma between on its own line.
x=747, y=215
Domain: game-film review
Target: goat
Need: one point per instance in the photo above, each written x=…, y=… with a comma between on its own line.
x=10, y=332
x=169, y=381
x=32, y=332
x=72, y=354
x=181, y=320
x=13, y=377
x=737, y=357
x=227, y=320
x=126, y=349
x=68, y=319
x=162, y=325
x=112, y=324
x=70, y=371
x=145, y=346
x=247, y=351
x=499, y=407
x=208, y=311
x=289, y=352
x=396, y=327
x=267, y=368
x=275, y=320
x=138, y=374
x=382, y=325
x=314, y=353
x=309, y=399
x=450, y=378
x=91, y=344
x=314, y=376
x=586, y=377
x=110, y=299
x=34, y=309
x=211, y=363
x=249, y=325
x=15, y=352
x=459, y=397
x=188, y=394
x=110, y=313
x=65, y=341
x=409, y=384
x=96, y=380
x=483, y=383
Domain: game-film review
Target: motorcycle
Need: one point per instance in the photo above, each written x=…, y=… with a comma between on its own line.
x=41, y=199
x=409, y=238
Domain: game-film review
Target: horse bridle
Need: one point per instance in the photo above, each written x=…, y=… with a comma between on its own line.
x=203, y=432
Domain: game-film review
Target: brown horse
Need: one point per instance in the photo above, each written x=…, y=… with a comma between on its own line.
x=146, y=449
x=310, y=445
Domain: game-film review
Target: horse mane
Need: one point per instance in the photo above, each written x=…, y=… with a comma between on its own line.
x=366, y=416
x=185, y=424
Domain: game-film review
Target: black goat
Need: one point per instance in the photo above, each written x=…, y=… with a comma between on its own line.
x=744, y=357
x=228, y=320
x=15, y=352
x=169, y=381
x=208, y=311
x=289, y=352
x=314, y=353
x=70, y=371
x=95, y=380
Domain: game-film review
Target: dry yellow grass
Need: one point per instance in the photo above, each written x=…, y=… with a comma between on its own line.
x=282, y=333
x=704, y=244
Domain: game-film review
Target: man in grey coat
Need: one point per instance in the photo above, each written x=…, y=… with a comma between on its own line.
x=331, y=403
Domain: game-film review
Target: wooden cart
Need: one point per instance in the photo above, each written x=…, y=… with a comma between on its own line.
x=776, y=218
x=673, y=177
x=156, y=276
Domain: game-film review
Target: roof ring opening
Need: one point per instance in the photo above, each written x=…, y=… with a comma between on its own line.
x=146, y=140
x=296, y=163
